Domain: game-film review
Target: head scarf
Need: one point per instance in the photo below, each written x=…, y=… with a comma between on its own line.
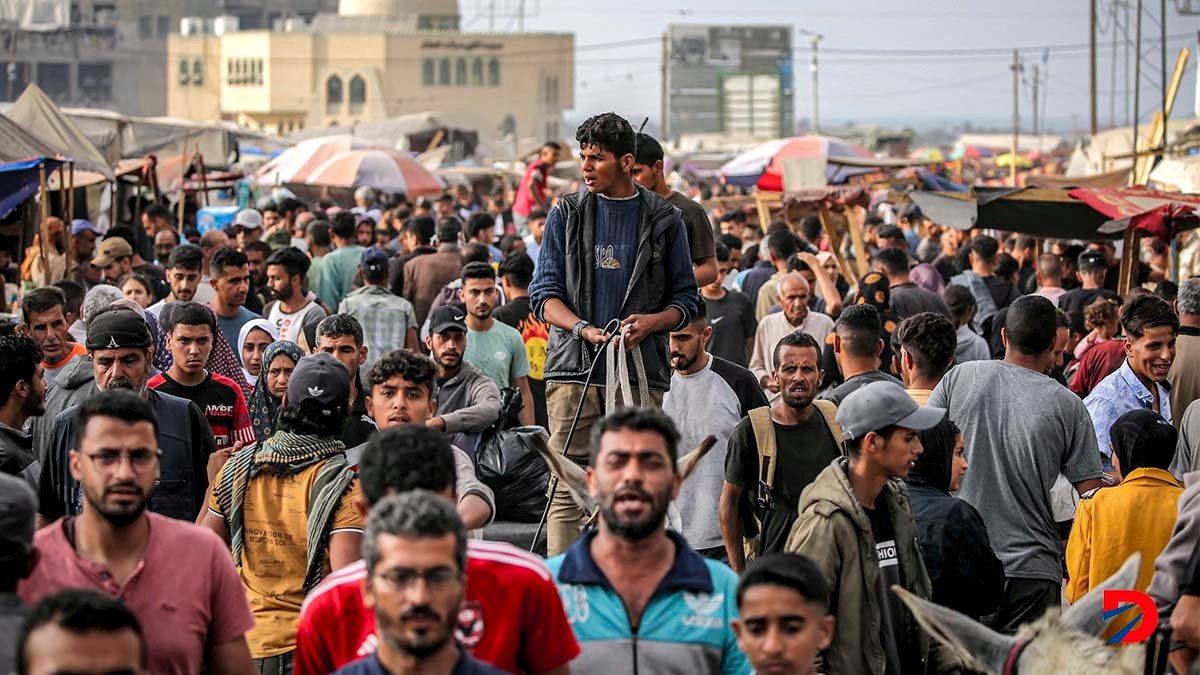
x=263, y=325
x=221, y=359
x=263, y=405
x=934, y=464
x=872, y=290
x=926, y=276
x=1142, y=439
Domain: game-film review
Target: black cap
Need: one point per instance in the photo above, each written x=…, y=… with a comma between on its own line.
x=323, y=379
x=1091, y=259
x=446, y=318
x=118, y=328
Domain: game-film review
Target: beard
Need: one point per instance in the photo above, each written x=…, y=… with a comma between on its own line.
x=799, y=400
x=680, y=361
x=282, y=294
x=119, y=517
x=632, y=528
x=422, y=646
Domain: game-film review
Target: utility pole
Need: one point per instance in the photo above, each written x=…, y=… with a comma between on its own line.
x=1095, y=125
x=814, y=40
x=1016, y=121
x=1137, y=83
x=1035, y=100
x=492, y=16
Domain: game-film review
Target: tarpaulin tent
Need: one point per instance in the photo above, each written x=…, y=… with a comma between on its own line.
x=16, y=143
x=37, y=114
x=20, y=181
x=762, y=166
x=414, y=132
x=1082, y=213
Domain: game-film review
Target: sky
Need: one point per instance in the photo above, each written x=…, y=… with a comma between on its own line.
x=912, y=79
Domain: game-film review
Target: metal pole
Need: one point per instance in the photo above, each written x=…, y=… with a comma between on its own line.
x=1016, y=120
x=1094, y=123
x=1166, y=112
x=1034, y=130
x=1137, y=83
x=43, y=230
x=814, y=40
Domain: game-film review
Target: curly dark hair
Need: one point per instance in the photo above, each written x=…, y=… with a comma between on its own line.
x=931, y=339
x=338, y=325
x=608, y=131
x=410, y=366
x=404, y=458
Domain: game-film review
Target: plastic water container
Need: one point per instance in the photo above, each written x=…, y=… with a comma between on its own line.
x=215, y=218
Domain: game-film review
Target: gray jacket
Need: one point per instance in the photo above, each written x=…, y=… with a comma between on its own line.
x=75, y=383
x=1170, y=564
x=469, y=402
x=1187, y=450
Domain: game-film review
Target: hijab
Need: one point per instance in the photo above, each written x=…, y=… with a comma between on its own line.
x=263, y=325
x=934, y=464
x=263, y=405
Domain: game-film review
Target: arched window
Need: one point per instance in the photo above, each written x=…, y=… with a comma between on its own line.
x=494, y=72
x=460, y=72
x=358, y=93
x=427, y=72
x=184, y=76
x=477, y=72
x=333, y=94
x=197, y=72
x=444, y=71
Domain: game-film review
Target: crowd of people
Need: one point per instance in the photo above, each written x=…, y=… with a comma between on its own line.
x=253, y=450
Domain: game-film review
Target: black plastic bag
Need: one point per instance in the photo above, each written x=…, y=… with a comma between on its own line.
x=507, y=462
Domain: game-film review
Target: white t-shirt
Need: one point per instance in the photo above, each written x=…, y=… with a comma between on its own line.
x=292, y=325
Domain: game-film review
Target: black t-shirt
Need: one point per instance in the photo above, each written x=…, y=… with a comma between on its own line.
x=891, y=629
x=1113, y=280
x=535, y=333
x=1075, y=301
x=1003, y=292
x=218, y=399
x=802, y=452
x=732, y=321
x=700, y=231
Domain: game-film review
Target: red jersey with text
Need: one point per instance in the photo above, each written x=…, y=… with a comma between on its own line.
x=512, y=616
x=221, y=401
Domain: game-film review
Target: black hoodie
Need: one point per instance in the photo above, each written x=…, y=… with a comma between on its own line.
x=965, y=572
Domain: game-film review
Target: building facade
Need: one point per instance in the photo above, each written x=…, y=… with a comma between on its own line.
x=727, y=79
x=373, y=60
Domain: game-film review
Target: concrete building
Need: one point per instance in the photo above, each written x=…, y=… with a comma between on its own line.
x=111, y=53
x=372, y=60
x=727, y=79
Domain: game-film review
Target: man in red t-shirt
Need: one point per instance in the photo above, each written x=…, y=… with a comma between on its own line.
x=191, y=329
x=512, y=615
x=532, y=193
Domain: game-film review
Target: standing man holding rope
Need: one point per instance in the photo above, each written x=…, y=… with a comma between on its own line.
x=613, y=254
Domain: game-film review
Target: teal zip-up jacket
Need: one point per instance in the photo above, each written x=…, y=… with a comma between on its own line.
x=685, y=629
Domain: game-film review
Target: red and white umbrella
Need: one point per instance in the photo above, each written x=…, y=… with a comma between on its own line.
x=381, y=169
x=298, y=162
x=762, y=166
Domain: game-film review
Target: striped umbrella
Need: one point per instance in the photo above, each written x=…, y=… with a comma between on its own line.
x=762, y=166
x=381, y=169
x=297, y=163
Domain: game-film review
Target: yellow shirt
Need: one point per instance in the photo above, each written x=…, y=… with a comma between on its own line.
x=921, y=396
x=274, y=557
x=1137, y=515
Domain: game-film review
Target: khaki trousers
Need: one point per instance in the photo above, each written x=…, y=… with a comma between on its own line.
x=566, y=520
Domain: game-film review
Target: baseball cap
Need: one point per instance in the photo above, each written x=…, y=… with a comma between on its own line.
x=250, y=219
x=322, y=379
x=111, y=249
x=882, y=404
x=374, y=259
x=79, y=226
x=18, y=507
x=1091, y=259
x=446, y=318
x=911, y=212
x=117, y=328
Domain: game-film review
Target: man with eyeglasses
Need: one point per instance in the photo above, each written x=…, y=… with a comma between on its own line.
x=192, y=608
x=415, y=550
x=120, y=347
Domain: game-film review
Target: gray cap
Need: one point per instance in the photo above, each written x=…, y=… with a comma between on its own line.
x=18, y=506
x=250, y=219
x=883, y=404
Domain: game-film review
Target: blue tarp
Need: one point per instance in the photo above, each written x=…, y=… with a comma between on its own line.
x=19, y=181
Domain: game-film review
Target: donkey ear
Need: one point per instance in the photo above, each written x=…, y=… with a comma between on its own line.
x=977, y=646
x=1087, y=615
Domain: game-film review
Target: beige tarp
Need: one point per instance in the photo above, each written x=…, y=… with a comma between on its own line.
x=37, y=114
x=16, y=143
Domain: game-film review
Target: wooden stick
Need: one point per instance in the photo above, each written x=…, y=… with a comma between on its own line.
x=43, y=240
x=861, y=256
x=67, y=234
x=835, y=243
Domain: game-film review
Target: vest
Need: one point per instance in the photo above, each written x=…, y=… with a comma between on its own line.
x=174, y=491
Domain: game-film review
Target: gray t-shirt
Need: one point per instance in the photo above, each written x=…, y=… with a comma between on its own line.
x=1021, y=430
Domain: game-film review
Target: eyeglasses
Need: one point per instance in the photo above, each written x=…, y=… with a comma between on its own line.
x=111, y=459
x=437, y=578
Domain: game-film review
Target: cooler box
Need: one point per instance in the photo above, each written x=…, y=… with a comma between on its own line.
x=215, y=218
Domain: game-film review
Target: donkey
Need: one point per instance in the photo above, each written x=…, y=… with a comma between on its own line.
x=1052, y=645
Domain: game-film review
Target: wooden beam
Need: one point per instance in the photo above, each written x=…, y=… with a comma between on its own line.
x=855, y=218
x=44, y=215
x=835, y=244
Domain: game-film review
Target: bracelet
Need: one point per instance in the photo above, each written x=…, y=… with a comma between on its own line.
x=578, y=328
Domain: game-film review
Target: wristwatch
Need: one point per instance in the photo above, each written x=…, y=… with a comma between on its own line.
x=578, y=328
